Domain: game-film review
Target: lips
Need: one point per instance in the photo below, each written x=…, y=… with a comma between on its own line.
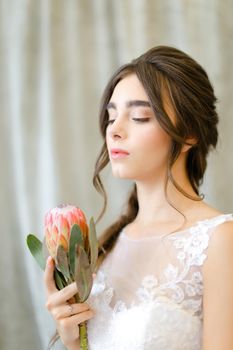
x=118, y=153
x=115, y=151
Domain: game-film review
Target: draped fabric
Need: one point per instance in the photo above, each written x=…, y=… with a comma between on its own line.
x=55, y=59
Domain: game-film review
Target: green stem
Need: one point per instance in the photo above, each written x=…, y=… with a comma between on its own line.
x=83, y=341
x=83, y=336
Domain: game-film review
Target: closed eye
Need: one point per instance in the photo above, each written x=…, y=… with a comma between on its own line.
x=110, y=121
x=139, y=120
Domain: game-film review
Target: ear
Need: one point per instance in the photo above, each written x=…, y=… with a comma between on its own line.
x=190, y=142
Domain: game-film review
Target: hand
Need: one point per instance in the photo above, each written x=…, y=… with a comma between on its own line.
x=67, y=314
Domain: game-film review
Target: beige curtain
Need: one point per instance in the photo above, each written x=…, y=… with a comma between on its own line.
x=55, y=58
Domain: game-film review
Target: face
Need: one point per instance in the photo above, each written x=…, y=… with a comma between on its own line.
x=134, y=129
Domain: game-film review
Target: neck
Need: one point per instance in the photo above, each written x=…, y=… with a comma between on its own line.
x=153, y=201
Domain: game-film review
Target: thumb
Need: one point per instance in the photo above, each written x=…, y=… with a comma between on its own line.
x=48, y=276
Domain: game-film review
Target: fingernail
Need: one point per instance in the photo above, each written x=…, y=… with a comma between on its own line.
x=50, y=261
x=73, y=285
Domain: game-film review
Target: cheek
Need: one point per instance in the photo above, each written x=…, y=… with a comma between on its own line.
x=157, y=141
x=153, y=153
x=107, y=137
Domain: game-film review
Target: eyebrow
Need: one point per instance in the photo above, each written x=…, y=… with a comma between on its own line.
x=131, y=103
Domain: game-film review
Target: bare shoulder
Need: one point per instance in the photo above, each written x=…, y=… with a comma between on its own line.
x=220, y=246
x=222, y=236
x=207, y=211
x=218, y=289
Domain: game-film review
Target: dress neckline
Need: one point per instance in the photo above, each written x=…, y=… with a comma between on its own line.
x=157, y=236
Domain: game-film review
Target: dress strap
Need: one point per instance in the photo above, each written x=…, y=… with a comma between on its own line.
x=217, y=220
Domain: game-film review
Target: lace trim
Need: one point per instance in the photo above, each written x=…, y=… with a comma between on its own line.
x=102, y=294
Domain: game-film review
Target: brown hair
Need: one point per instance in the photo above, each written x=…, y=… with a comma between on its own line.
x=192, y=98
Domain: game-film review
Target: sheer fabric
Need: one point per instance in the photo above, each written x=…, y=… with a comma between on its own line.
x=148, y=292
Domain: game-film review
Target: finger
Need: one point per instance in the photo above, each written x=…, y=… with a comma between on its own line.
x=81, y=317
x=49, y=277
x=62, y=296
x=69, y=322
x=69, y=310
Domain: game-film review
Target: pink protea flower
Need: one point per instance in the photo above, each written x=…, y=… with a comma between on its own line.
x=57, y=226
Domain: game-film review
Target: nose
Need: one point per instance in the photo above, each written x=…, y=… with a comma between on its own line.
x=118, y=128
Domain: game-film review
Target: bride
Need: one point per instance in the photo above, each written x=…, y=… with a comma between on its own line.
x=165, y=275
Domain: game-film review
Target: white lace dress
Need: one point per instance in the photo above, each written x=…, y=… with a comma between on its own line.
x=147, y=294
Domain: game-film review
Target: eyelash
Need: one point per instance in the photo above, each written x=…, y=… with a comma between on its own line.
x=139, y=120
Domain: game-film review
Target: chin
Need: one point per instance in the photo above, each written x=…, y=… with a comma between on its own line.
x=122, y=175
x=126, y=177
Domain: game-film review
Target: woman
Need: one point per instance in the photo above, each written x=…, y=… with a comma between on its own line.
x=155, y=287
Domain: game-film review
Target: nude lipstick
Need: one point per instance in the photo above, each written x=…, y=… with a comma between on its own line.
x=118, y=153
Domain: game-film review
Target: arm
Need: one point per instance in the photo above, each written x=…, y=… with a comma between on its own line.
x=218, y=291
